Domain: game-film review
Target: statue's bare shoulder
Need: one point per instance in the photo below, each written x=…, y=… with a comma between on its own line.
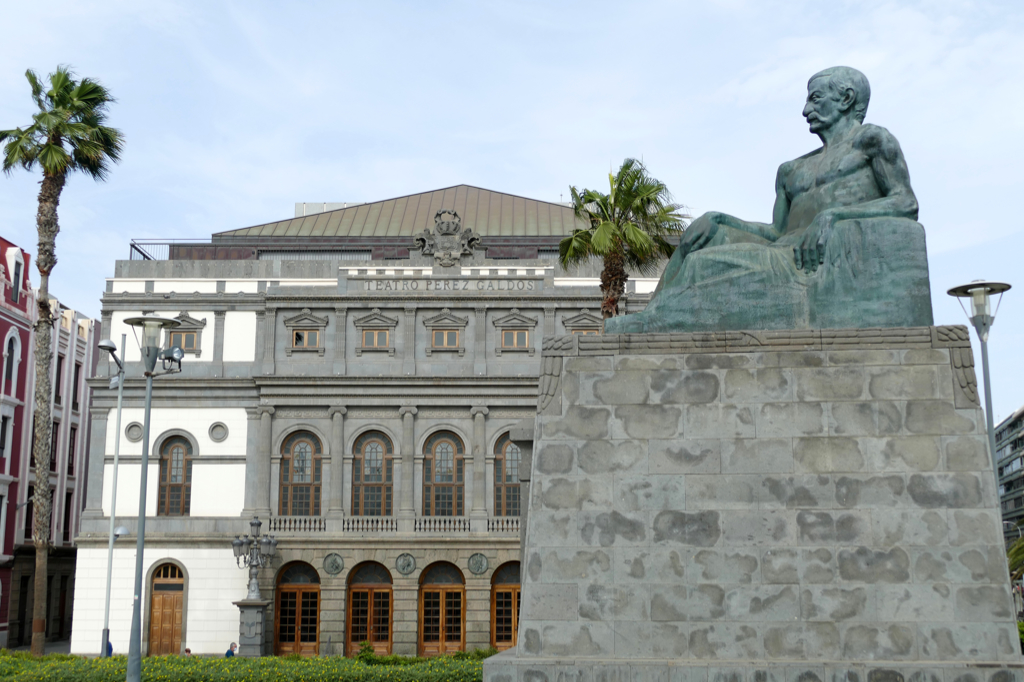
x=874, y=140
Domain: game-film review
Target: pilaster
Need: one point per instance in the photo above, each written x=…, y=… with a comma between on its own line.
x=336, y=507
x=218, y=343
x=409, y=356
x=97, y=455
x=480, y=348
x=412, y=469
x=478, y=514
x=262, y=464
x=340, y=339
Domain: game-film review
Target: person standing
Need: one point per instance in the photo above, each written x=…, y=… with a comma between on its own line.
x=230, y=653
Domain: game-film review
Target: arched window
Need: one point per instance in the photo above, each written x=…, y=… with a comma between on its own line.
x=372, y=475
x=506, y=477
x=297, y=616
x=442, y=610
x=175, y=477
x=301, y=475
x=166, y=610
x=369, y=608
x=443, y=475
x=9, y=366
x=505, y=606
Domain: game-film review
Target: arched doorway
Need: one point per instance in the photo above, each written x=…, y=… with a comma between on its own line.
x=166, y=606
x=297, y=611
x=369, y=608
x=442, y=610
x=505, y=606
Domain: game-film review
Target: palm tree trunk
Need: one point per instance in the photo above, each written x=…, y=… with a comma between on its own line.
x=613, y=282
x=46, y=224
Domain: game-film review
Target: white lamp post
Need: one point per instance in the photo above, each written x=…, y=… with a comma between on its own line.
x=151, y=327
x=982, y=317
x=108, y=346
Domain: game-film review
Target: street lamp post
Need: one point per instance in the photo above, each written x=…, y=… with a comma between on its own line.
x=151, y=326
x=982, y=317
x=108, y=346
x=253, y=552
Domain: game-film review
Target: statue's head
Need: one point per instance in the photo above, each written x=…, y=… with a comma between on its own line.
x=836, y=93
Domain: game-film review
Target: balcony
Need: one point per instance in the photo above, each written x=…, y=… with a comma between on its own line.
x=506, y=526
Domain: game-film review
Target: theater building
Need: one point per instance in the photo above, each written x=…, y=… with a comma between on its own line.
x=351, y=377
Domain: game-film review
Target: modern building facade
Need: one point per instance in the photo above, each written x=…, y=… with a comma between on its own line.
x=74, y=353
x=351, y=378
x=1010, y=463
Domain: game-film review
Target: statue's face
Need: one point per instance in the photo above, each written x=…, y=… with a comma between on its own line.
x=822, y=109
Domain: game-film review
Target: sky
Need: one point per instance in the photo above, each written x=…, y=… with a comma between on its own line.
x=234, y=111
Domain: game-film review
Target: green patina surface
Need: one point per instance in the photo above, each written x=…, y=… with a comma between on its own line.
x=843, y=248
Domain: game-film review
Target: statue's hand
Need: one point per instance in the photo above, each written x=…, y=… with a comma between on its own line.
x=700, y=232
x=810, y=252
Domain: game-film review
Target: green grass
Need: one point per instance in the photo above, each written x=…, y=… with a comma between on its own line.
x=463, y=667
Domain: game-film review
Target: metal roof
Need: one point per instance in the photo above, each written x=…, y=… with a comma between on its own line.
x=489, y=214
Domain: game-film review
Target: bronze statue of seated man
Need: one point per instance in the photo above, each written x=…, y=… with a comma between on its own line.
x=843, y=248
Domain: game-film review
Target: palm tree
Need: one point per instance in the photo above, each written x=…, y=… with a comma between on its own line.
x=66, y=134
x=627, y=229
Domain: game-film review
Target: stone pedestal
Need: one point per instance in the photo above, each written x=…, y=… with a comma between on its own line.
x=790, y=506
x=252, y=625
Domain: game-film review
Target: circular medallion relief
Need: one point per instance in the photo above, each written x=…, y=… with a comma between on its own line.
x=133, y=432
x=405, y=564
x=218, y=432
x=477, y=563
x=333, y=563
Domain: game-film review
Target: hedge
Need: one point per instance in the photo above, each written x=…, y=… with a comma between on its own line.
x=21, y=667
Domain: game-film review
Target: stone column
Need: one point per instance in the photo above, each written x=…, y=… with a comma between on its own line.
x=266, y=446
x=218, y=343
x=480, y=347
x=549, y=323
x=409, y=355
x=336, y=507
x=341, y=317
x=97, y=455
x=412, y=467
x=479, y=512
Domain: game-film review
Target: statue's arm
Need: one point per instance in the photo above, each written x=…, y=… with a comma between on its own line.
x=780, y=212
x=891, y=175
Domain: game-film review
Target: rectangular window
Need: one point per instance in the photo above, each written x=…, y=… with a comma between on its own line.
x=67, y=517
x=584, y=331
x=16, y=283
x=446, y=338
x=184, y=340
x=57, y=380
x=71, y=450
x=515, y=338
x=75, y=386
x=4, y=422
x=29, y=514
x=305, y=338
x=375, y=338
x=53, y=446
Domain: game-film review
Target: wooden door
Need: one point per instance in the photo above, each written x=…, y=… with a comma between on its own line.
x=504, y=616
x=167, y=601
x=297, y=620
x=442, y=620
x=369, y=619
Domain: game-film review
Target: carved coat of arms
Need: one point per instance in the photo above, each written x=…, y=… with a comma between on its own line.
x=448, y=243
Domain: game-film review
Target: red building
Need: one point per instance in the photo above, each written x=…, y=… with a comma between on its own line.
x=17, y=315
x=74, y=359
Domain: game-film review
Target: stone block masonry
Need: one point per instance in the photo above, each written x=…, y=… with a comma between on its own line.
x=758, y=506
